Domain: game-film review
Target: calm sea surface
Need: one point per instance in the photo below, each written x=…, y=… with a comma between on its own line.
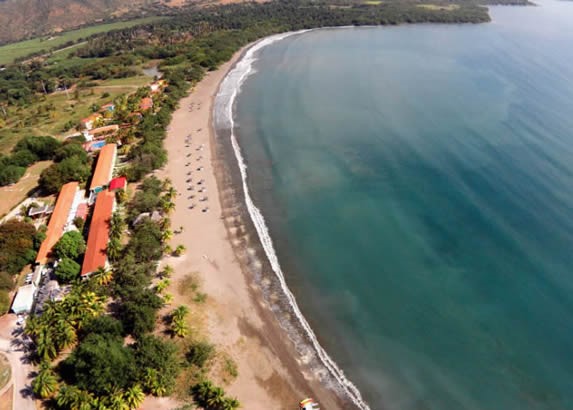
x=418, y=184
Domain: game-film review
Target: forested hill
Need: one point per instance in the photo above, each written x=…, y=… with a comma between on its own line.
x=21, y=19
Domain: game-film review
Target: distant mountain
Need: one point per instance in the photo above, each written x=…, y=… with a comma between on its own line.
x=20, y=19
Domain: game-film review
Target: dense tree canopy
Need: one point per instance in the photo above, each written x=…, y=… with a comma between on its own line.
x=71, y=245
x=17, y=245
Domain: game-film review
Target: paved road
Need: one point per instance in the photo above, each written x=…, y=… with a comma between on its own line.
x=10, y=344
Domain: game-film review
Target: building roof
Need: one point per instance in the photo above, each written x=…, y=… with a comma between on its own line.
x=104, y=130
x=108, y=107
x=104, y=167
x=91, y=117
x=24, y=299
x=117, y=183
x=46, y=209
x=146, y=104
x=82, y=211
x=96, y=251
x=57, y=220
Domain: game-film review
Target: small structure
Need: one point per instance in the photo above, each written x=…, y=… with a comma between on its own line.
x=96, y=250
x=24, y=300
x=158, y=86
x=155, y=217
x=89, y=122
x=37, y=211
x=118, y=183
x=109, y=107
x=146, y=104
x=58, y=221
x=104, y=169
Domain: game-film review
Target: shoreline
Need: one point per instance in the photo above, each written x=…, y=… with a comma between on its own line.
x=239, y=320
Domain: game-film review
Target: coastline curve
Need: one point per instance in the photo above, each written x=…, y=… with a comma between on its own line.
x=224, y=102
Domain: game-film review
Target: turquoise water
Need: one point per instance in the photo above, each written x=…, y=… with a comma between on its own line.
x=417, y=182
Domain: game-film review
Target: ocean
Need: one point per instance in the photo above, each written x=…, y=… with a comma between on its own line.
x=413, y=189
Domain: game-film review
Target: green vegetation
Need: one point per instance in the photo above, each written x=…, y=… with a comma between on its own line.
x=5, y=371
x=26, y=152
x=44, y=45
x=71, y=245
x=67, y=270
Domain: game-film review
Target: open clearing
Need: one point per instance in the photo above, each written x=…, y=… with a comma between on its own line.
x=10, y=52
x=12, y=195
x=444, y=7
x=5, y=370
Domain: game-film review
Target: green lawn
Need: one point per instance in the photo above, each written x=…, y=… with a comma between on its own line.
x=34, y=121
x=12, y=51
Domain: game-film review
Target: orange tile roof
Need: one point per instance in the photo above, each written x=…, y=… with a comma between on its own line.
x=104, y=168
x=96, y=250
x=57, y=220
x=91, y=117
x=146, y=104
x=107, y=128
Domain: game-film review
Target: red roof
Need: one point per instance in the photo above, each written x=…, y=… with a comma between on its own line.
x=104, y=167
x=96, y=251
x=117, y=183
x=82, y=211
x=146, y=104
x=57, y=221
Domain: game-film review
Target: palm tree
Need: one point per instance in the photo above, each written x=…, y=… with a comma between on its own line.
x=45, y=384
x=167, y=271
x=180, y=312
x=167, y=249
x=45, y=346
x=103, y=276
x=230, y=403
x=32, y=326
x=167, y=184
x=179, y=250
x=64, y=334
x=167, y=205
x=134, y=396
x=167, y=298
x=117, y=401
x=69, y=397
x=116, y=225
x=216, y=397
x=179, y=328
x=171, y=193
x=165, y=223
x=166, y=235
x=113, y=249
x=162, y=285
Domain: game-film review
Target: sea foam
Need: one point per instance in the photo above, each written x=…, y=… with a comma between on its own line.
x=223, y=119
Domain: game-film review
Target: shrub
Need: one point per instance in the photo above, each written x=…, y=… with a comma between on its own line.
x=67, y=270
x=199, y=353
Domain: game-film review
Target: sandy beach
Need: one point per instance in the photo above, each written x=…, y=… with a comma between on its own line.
x=237, y=318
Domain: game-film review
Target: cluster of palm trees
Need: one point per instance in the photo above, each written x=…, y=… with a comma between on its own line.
x=56, y=329
x=46, y=385
x=117, y=227
x=211, y=397
x=179, y=327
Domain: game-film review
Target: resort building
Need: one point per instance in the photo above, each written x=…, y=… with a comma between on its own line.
x=24, y=300
x=58, y=220
x=96, y=251
x=100, y=132
x=158, y=86
x=90, y=121
x=104, y=169
x=109, y=107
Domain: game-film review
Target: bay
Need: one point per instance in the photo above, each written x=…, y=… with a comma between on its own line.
x=417, y=182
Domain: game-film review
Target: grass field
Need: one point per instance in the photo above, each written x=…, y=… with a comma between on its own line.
x=12, y=51
x=12, y=195
x=38, y=120
x=444, y=7
x=5, y=371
